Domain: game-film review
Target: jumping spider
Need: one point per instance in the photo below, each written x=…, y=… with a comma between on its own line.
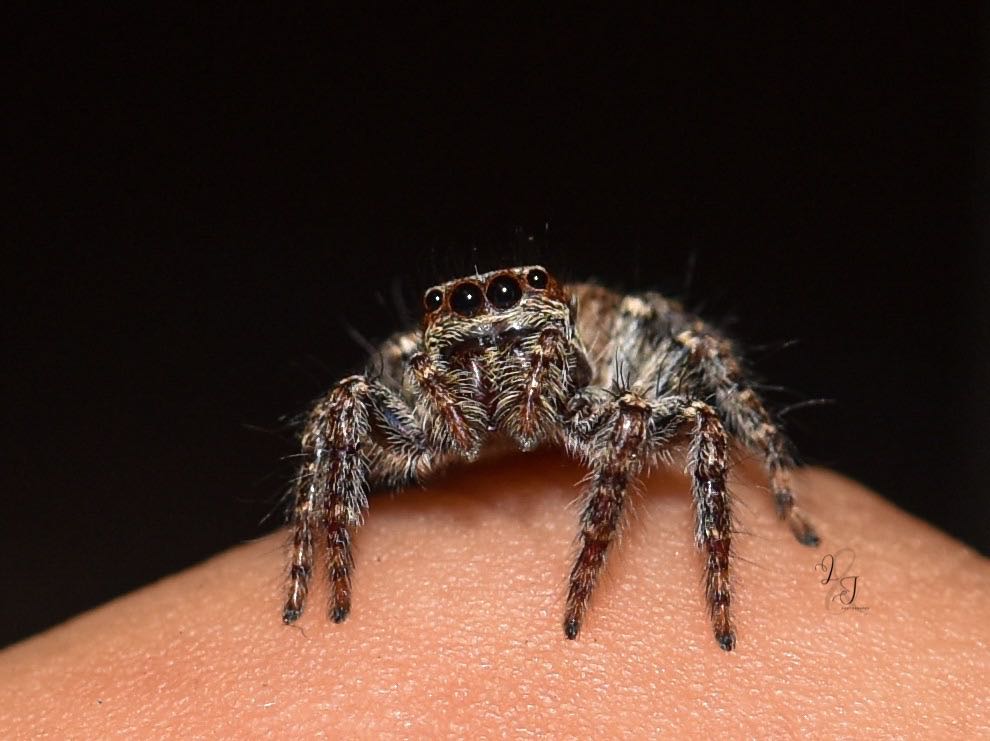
x=611, y=379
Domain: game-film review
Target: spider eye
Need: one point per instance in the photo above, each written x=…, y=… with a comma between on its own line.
x=537, y=278
x=433, y=299
x=466, y=298
x=503, y=292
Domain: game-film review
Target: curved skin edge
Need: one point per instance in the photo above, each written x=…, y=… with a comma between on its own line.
x=456, y=628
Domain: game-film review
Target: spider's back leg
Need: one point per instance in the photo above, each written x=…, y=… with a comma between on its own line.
x=721, y=374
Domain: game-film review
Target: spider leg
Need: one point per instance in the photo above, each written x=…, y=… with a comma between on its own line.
x=626, y=433
x=301, y=562
x=746, y=416
x=708, y=466
x=615, y=454
x=332, y=485
x=401, y=455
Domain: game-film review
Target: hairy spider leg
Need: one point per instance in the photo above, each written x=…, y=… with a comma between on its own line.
x=332, y=487
x=747, y=417
x=618, y=460
x=636, y=433
x=339, y=440
x=400, y=454
x=301, y=560
x=708, y=466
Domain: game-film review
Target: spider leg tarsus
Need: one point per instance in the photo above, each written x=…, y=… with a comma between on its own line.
x=803, y=530
x=726, y=641
x=571, y=628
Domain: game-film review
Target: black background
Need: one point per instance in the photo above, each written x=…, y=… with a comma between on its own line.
x=201, y=202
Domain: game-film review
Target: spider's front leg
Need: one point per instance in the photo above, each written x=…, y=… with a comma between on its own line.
x=708, y=465
x=618, y=437
x=611, y=435
x=331, y=489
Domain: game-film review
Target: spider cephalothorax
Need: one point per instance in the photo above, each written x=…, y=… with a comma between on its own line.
x=505, y=342
x=611, y=379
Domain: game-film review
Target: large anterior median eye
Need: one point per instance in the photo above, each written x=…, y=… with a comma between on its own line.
x=433, y=299
x=466, y=298
x=503, y=292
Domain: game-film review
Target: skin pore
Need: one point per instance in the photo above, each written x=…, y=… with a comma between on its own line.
x=456, y=628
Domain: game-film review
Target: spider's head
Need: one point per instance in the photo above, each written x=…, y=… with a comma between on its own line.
x=487, y=307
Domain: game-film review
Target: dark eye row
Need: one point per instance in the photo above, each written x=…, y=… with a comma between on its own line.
x=503, y=292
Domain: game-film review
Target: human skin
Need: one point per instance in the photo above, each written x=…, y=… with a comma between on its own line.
x=456, y=628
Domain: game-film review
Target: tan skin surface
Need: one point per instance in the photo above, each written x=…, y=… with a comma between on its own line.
x=456, y=629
